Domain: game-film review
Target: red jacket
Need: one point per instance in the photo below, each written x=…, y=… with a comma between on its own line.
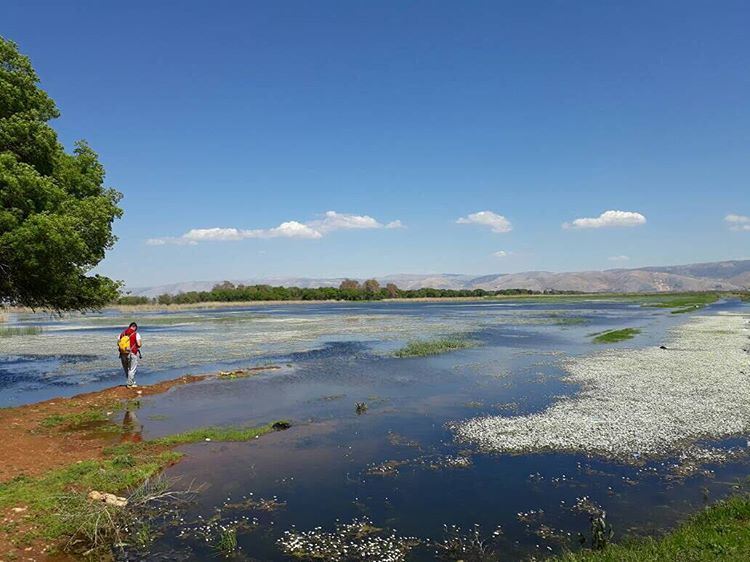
x=134, y=347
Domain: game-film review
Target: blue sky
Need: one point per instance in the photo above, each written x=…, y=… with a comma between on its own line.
x=245, y=116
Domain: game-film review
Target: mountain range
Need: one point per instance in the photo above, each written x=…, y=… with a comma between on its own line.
x=723, y=275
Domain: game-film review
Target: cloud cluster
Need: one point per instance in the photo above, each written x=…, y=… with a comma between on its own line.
x=608, y=219
x=311, y=230
x=502, y=253
x=738, y=223
x=619, y=258
x=496, y=223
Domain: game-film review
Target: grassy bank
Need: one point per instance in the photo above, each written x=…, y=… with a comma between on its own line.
x=422, y=348
x=51, y=511
x=720, y=532
x=682, y=303
x=123, y=467
x=614, y=336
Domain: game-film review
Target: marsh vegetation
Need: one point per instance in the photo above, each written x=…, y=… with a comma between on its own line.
x=422, y=348
x=614, y=336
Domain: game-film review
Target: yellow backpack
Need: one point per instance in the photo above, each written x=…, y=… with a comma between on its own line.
x=123, y=344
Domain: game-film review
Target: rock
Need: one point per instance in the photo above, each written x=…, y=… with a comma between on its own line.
x=20, y=509
x=109, y=499
x=281, y=425
x=662, y=347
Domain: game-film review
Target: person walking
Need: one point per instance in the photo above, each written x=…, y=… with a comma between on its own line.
x=129, y=346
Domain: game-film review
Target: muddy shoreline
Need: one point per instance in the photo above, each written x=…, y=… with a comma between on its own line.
x=40, y=438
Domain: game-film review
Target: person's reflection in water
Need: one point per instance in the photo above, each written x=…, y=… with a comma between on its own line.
x=132, y=428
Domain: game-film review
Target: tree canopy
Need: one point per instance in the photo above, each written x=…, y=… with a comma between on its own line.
x=56, y=214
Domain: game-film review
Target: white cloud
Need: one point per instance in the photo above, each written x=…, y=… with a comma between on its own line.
x=738, y=222
x=315, y=229
x=502, y=254
x=497, y=223
x=618, y=258
x=342, y=221
x=608, y=219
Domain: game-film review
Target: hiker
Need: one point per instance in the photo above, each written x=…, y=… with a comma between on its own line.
x=129, y=346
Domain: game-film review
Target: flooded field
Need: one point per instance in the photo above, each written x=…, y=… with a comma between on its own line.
x=380, y=462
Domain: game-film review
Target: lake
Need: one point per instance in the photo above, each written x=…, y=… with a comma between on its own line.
x=395, y=463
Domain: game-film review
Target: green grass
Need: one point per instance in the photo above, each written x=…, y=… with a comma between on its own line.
x=684, y=302
x=720, y=532
x=422, y=348
x=44, y=495
x=9, y=332
x=217, y=434
x=614, y=336
x=227, y=543
x=75, y=420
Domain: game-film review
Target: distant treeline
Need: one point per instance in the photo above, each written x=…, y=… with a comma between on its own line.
x=349, y=290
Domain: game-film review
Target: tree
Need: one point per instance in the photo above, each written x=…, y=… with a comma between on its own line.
x=55, y=213
x=391, y=290
x=372, y=287
x=349, y=285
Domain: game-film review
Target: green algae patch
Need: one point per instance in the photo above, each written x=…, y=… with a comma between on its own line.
x=614, y=336
x=720, y=532
x=423, y=348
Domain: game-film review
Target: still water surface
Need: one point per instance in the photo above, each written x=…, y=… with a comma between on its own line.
x=397, y=463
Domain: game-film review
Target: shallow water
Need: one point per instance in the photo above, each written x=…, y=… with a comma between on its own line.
x=396, y=463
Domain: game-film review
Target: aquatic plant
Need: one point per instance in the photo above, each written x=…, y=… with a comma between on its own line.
x=98, y=526
x=421, y=348
x=226, y=543
x=357, y=541
x=471, y=546
x=11, y=331
x=219, y=434
x=360, y=408
x=638, y=403
x=614, y=336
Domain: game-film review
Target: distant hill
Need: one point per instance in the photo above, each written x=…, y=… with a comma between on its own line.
x=724, y=275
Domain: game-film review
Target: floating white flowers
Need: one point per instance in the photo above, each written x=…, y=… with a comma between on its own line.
x=639, y=403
